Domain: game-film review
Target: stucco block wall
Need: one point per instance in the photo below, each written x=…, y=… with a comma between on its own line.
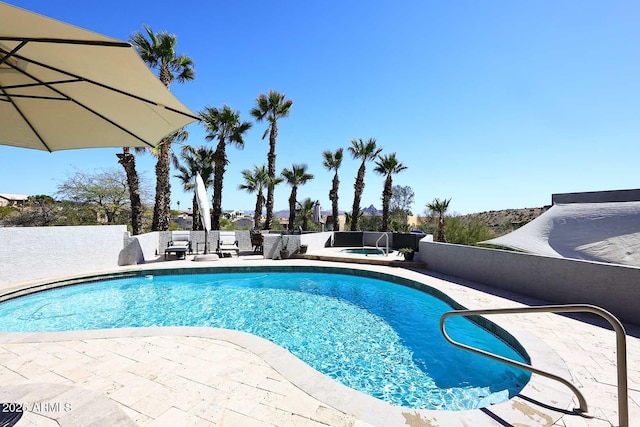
x=140, y=248
x=273, y=243
x=615, y=288
x=316, y=240
x=149, y=244
x=371, y=237
x=33, y=253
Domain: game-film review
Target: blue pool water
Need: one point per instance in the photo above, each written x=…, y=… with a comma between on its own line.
x=374, y=336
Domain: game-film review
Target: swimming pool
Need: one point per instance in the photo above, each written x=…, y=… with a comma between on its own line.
x=372, y=335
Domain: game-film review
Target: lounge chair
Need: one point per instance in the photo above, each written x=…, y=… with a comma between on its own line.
x=179, y=245
x=227, y=243
x=257, y=241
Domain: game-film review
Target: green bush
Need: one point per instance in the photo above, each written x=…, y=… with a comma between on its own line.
x=370, y=223
x=427, y=225
x=465, y=231
x=6, y=211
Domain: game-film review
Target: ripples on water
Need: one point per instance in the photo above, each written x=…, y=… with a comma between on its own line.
x=371, y=335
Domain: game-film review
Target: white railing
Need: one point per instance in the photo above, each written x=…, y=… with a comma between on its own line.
x=621, y=349
x=385, y=235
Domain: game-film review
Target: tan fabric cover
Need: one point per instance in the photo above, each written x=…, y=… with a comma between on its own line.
x=606, y=232
x=65, y=124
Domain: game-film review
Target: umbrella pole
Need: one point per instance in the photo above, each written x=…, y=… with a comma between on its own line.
x=206, y=241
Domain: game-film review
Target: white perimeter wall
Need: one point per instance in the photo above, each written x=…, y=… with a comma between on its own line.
x=33, y=253
x=139, y=248
x=616, y=288
x=316, y=240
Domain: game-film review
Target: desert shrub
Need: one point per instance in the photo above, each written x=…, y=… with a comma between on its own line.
x=370, y=223
x=464, y=231
x=6, y=211
x=427, y=225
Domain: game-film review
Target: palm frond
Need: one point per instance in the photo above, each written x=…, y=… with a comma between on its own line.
x=388, y=165
x=158, y=51
x=297, y=175
x=224, y=124
x=332, y=161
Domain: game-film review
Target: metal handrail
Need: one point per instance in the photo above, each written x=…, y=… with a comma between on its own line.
x=386, y=253
x=621, y=349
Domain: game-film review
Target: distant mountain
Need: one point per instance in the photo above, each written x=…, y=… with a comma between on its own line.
x=372, y=210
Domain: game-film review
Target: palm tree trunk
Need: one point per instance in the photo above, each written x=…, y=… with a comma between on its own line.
x=220, y=160
x=442, y=237
x=110, y=214
x=271, y=170
x=128, y=162
x=292, y=207
x=161, y=214
x=258, y=212
x=359, y=187
x=386, y=197
x=333, y=196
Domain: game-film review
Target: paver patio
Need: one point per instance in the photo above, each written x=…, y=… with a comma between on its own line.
x=205, y=376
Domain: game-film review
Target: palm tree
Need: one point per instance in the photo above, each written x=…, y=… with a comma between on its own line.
x=365, y=150
x=295, y=177
x=128, y=162
x=254, y=182
x=387, y=165
x=224, y=125
x=439, y=207
x=196, y=160
x=347, y=219
x=332, y=161
x=305, y=212
x=271, y=107
x=158, y=51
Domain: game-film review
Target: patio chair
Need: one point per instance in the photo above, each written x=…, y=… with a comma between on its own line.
x=257, y=241
x=179, y=245
x=227, y=244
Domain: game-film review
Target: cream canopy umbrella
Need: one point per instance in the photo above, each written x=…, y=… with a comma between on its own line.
x=205, y=214
x=63, y=87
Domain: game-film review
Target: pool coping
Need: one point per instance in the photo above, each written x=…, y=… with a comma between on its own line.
x=540, y=399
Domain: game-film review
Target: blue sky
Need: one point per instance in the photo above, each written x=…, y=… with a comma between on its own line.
x=494, y=104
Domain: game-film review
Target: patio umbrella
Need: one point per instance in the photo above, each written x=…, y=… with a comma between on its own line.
x=203, y=205
x=63, y=87
x=317, y=214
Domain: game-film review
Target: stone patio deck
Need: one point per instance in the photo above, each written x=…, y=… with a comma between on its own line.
x=205, y=376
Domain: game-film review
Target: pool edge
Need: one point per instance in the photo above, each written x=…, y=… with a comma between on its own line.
x=318, y=385
x=311, y=381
